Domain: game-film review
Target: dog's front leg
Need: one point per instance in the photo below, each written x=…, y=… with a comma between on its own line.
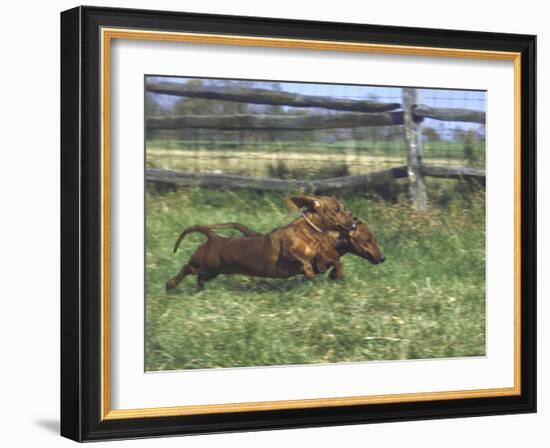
x=307, y=270
x=301, y=254
x=337, y=271
x=307, y=267
x=322, y=263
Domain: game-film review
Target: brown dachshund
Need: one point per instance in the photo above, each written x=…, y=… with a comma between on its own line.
x=296, y=244
x=321, y=249
x=332, y=246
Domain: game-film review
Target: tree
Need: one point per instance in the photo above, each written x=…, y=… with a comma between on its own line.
x=195, y=106
x=430, y=134
x=470, y=140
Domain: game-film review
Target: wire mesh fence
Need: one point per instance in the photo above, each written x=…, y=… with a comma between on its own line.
x=307, y=154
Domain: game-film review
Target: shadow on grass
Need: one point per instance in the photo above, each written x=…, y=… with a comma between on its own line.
x=252, y=284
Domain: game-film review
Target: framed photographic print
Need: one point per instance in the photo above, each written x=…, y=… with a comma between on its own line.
x=274, y=224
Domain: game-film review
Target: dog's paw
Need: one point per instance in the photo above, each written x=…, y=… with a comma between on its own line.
x=333, y=275
x=170, y=284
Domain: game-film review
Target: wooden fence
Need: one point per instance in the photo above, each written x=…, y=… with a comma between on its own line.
x=366, y=180
x=351, y=113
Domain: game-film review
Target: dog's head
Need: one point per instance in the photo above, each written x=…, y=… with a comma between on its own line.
x=363, y=244
x=329, y=212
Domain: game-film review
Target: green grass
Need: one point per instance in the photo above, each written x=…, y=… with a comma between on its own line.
x=426, y=301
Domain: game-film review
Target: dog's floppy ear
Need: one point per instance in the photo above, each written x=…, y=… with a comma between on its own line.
x=310, y=202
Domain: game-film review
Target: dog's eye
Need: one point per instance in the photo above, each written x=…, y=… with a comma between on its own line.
x=337, y=209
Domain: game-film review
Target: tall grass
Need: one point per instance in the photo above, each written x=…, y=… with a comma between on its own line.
x=426, y=301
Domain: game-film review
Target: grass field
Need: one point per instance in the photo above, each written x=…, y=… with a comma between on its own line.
x=305, y=161
x=426, y=301
x=394, y=147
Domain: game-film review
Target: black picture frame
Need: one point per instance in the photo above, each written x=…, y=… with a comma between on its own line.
x=81, y=224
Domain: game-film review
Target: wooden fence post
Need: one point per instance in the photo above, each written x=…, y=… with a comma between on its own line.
x=413, y=139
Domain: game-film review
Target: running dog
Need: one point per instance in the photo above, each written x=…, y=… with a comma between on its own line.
x=303, y=246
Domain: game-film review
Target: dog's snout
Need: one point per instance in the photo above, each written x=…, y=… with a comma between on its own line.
x=382, y=258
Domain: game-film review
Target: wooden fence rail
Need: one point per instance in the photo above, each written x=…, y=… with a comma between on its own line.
x=268, y=97
x=290, y=122
x=276, y=122
x=182, y=178
x=279, y=98
x=448, y=114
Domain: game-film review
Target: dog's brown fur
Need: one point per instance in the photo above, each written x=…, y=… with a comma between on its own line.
x=332, y=246
x=284, y=252
x=279, y=254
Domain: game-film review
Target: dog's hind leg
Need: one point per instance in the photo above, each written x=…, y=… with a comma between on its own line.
x=185, y=270
x=203, y=277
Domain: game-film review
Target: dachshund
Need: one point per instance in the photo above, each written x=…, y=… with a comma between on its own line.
x=309, y=245
x=267, y=255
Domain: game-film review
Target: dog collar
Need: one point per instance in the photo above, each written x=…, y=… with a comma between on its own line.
x=306, y=219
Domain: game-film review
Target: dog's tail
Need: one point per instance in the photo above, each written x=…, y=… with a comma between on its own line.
x=247, y=231
x=205, y=230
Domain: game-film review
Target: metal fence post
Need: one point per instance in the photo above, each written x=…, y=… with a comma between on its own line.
x=413, y=139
